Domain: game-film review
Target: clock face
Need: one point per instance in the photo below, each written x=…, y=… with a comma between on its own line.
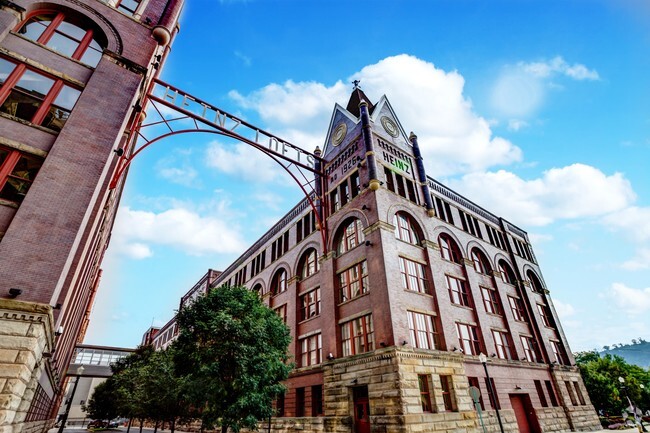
x=339, y=134
x=389, y=126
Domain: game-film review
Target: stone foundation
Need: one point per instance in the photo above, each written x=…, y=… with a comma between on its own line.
x=26, y=332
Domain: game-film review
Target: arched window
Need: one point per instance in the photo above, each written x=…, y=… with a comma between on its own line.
x=507, y=273
x=449, y=250
x=64, y=35
x=535, y=283
x=405, y=228
x=481, y=263
x=309, y=263
x=257, y=288
x=350, y=236
x=279, y=282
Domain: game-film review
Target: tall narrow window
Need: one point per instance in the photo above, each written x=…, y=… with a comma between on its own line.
x=425, y=394
x=357, y=336
x=529, y=348
x=517, y=308
x=353, y=282
x=572, y=396
x=17, y=172
x=481, y=263
x=64, y=35
x=311, y=350
x=350, y=236
x=449, y=250
x=507, y=273
x=317, y=400
x=492, y=393
x=540, y=393
x=468, y=339
x=279, y=282
x=300, y=402
x=422, y=330
x=413, y=275
x=282, y=312
x=310, y=304
x=491, y=300
x=309, y=263
x=405, y=228
x=501, y=344
x=447, y=393
x=551, y=393
x=557, y=352
x=544, y=314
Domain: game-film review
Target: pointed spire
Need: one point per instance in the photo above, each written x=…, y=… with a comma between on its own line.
x=355, y=99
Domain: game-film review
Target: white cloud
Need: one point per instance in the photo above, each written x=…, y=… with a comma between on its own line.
x=135, y=231
x=520, y=90
x=633, y=221
x=516, y=125
x=453, y=138
x=632, y=301
x=563, y=310
x=244, y=161
x=558, y=66
x=538, y=238
x=247, y=61
x=639, y=262
x=569, y=192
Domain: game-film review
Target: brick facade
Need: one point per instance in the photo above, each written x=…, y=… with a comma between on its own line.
x=390, y=326
x=56, y=215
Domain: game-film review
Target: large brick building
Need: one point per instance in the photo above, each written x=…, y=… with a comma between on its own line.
x=413, y=283
x=72, y=77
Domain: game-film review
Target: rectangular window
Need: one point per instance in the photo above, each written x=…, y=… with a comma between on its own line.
x=447, y=393
x=501, y=343
x=529, y=348
x=551, y=393
x=317, y=400
x=17, y=172
x=353, y=282
x=390, y=183
x=425, y=394
x=581, y=398
x=401, y=190
x=310, y=304
x=345, y=193
x=569, y=389
x=410, y=188
x=282, y=312
x=311, y=350
x=128, y=6
x=335, y=203
x=413, y=275
x=355, y=184
x=300, y=402
x=422, y=330
x=279, y=405
x=492, y=393
x=491, y=300
x=540, y=393
x=457, y=291
x=557, y=352
x=517, y=308
x=357, y=336
x=473, y=381
x=444, y=210
x=543, y=312
x=468, y=339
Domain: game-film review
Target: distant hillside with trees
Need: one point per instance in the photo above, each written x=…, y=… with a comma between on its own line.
x=637, y=353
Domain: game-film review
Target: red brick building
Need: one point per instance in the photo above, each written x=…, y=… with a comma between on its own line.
x=415, y=281
x=72, y=76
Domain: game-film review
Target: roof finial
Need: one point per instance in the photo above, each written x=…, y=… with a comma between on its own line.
x=356, y=84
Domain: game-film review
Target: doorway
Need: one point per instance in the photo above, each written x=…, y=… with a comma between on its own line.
x=524, y=413
x=361, y=409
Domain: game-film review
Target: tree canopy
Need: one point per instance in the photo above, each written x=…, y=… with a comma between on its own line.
x=233, y=350
x=607, y=393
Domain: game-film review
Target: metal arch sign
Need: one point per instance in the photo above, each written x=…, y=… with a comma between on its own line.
x=206, y=117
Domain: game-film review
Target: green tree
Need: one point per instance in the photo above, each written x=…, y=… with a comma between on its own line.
x=232, y=350
x=601, y=377
x=102, y=404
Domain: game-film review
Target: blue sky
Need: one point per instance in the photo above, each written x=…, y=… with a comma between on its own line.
x=537, y=111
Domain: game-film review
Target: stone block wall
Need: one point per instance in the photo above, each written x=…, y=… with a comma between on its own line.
x=26, y=332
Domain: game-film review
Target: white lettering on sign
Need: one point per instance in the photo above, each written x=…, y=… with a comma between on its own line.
x=227, y=121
